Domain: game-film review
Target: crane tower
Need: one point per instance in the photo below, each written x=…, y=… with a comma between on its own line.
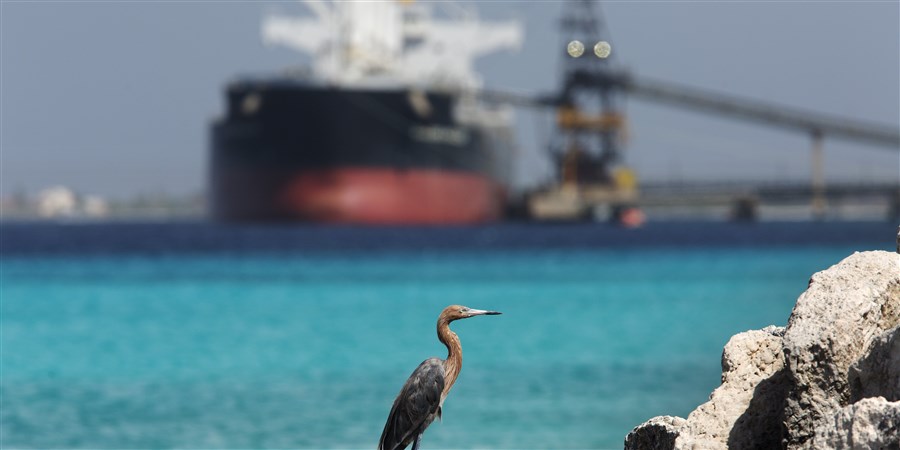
x=590, y=128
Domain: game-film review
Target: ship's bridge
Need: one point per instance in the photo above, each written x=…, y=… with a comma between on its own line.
x=392, y=43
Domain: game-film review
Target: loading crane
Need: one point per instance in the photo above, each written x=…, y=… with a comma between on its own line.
x=590, y=127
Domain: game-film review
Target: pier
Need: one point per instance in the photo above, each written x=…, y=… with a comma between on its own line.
x=749, y=201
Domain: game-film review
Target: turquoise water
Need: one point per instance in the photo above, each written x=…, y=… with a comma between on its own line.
x=307, y=349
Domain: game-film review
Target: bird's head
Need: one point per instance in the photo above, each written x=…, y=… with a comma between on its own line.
x=456, y=312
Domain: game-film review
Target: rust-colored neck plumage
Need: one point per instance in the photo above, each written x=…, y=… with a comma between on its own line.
x=453, y=363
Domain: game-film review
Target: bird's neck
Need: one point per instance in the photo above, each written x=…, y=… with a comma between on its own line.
x=453, y=363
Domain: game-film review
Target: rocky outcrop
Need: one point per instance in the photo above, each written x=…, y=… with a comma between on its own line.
x=831, y=327
x=750, y=400
x=871, y=423
x=658, y=433
x=878, y=373
x=747, y=408
x=792, y=387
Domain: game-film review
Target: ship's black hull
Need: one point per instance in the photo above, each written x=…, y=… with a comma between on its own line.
x=288, y=150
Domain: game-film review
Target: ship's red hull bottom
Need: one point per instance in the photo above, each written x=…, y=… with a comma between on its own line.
x=367, y=196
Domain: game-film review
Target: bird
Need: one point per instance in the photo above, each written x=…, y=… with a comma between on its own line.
x=422, y=396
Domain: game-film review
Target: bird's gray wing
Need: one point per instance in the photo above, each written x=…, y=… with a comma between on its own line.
x=415, y=406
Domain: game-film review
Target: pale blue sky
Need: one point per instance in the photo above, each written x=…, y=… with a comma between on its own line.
x=115, y=98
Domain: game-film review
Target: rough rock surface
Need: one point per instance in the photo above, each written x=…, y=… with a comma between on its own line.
x=750, y=399
x=871, y=423
x=658, y=433
x=790, y=388
x=844, y=309
x=878, y=373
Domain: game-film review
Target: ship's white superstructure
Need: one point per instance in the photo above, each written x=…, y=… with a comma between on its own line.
x=383, y=43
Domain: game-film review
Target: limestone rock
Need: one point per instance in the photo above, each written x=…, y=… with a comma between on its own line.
x=746, y=411
x=819, y=383
x=877, y=374
x=844, y=309
x=658, y=433
x=871, y=423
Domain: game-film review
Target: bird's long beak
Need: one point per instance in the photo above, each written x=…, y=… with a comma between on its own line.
x=481, y=312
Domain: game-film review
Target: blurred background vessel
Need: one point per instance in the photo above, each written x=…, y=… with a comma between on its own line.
x=386, y=128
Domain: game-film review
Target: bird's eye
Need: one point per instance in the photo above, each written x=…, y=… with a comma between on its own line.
x=463, y=309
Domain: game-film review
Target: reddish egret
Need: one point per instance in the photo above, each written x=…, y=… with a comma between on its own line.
x=421, y=398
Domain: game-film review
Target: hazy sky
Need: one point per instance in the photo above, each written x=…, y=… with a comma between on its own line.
x=115, y=97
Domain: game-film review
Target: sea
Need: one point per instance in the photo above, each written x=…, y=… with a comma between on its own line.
x=209, y=336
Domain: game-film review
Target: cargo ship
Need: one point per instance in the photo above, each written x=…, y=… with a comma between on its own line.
x=384, y=127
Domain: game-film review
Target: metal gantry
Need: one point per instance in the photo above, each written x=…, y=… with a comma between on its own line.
x=588, y=138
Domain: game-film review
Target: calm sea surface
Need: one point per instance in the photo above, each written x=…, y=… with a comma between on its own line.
x=206, y=336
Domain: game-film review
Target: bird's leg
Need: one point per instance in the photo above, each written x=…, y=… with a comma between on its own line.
x=416, y=442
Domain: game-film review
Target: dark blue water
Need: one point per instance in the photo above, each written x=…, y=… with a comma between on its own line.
x=210, y=336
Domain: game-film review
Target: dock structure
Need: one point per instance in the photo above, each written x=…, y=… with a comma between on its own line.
x=586, y=146
x=787, y=200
